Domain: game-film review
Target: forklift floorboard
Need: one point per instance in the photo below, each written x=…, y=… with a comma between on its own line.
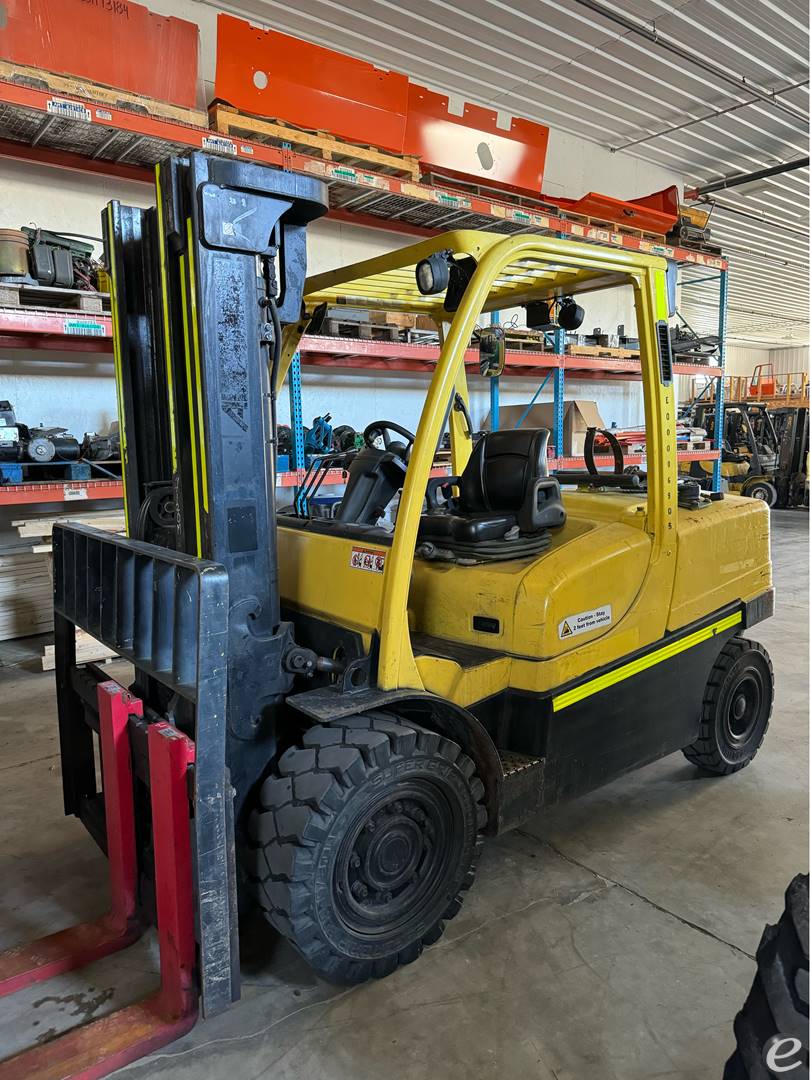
x=610, y=940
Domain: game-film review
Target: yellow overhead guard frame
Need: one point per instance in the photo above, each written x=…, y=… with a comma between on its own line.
x=511, y=270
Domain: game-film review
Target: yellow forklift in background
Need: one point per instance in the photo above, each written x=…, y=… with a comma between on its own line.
x=359, y=703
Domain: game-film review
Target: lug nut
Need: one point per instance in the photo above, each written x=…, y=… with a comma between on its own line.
x=359, y=890
x=354, y=861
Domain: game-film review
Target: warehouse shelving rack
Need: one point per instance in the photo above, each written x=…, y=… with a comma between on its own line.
x=76, y=134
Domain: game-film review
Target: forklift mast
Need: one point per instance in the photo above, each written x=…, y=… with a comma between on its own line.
x=202, y=284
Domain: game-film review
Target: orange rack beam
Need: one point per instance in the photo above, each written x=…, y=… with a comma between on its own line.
x=77, y=134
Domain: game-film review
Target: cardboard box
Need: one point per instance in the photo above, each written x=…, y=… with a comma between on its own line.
x=578, y=416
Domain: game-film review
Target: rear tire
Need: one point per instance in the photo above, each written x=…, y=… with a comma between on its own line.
x=777, y=1003
x=737, y=706
x=366, y=841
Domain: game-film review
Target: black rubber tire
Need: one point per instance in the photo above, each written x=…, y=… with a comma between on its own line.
x=778, y=1001
x=763, y=490
x=726, y=742
x=366, y=803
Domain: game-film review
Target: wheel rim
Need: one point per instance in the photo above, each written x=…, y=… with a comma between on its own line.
x=744, y=707
x=398, y=860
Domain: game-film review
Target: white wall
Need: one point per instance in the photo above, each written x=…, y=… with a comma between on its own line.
x=786, y=361
x=742, y=361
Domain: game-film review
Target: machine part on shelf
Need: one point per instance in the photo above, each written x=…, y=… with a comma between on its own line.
x=61, y=261
x=102, y=447
x=38, y=446
x=346, y=438
x=10, y=447
x=692, y=229
x=14, y=257
x=326, y=667
x=284, y=442
x=51, y=444
x=318, y=438
x=689, y=345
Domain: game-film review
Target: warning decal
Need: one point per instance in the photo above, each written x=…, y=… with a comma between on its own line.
x=585, y=621
x=367, y=559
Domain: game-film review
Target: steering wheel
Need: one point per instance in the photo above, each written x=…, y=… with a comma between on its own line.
x=381, y=429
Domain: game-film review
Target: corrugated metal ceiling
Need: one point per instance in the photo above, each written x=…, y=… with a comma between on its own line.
x=628, y=74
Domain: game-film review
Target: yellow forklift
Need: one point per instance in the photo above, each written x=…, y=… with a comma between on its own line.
x=764, y=453
x=363, y=702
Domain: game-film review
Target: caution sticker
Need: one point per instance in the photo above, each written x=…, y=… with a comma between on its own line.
x=367, y=559
x=585, y=621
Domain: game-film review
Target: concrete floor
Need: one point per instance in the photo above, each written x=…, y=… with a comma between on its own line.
x=612, y=940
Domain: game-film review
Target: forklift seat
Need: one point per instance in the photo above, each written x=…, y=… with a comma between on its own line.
x=504, y=489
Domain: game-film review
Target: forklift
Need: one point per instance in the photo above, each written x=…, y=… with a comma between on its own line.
x=764, y=453
x=329, y=715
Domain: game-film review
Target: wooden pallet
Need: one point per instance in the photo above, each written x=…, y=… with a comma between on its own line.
x=72, y=87
x=364, y=331
x=598, y=350
x=13, y=294
x=225, y=120
x=88, y=651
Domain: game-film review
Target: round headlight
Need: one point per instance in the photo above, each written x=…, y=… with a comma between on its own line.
x=433, y=273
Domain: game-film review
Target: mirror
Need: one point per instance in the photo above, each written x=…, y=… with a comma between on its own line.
x=491, y=350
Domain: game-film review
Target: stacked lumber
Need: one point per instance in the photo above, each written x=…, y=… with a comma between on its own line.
x=26, y=584
x=39, y=530
x=26, y=594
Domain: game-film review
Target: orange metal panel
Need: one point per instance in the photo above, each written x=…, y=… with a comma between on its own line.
x=656, y=213
x=283, y=78
x=472, y=144
x=115, y=42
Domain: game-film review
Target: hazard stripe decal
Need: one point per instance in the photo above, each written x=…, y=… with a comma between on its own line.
x=627, y=671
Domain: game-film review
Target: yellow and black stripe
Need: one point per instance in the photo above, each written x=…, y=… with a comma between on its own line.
x=117, y=360
x=642, y=663
x=167, y=327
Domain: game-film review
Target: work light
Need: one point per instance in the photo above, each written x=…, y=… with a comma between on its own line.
x=433, y=273
x=569, y=314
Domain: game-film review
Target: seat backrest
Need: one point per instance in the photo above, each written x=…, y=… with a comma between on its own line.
x=502, y=469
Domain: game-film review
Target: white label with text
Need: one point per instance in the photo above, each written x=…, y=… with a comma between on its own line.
x=585, y=621
x=367, y=559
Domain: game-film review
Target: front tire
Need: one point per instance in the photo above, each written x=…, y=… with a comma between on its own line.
x=365, y=842
x=737, y=706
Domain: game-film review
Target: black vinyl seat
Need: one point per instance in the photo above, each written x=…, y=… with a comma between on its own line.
x=505, y=496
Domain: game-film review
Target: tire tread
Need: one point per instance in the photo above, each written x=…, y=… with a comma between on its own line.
x=295, y=810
